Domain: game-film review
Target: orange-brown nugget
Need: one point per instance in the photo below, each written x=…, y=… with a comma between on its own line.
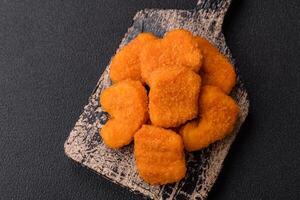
x=218, y=114
x=126, y=102
x=177, y=48
x=126, y=63
x=216, y=69
x=173, y=96
x=159, y=155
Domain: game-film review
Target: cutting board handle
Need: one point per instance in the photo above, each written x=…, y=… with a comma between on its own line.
x=217, y=7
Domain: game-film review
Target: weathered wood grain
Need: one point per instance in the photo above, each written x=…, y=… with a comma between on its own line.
x=85, y=146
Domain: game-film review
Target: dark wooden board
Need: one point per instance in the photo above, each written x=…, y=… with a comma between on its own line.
x=85, y=146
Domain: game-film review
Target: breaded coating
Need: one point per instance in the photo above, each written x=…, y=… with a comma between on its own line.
x=126, y=63
x=173, y=96
x=159, y=155
x=177, y=48
x=127, y=104
x=116, y=133
x=218, y=114
x=216, y=69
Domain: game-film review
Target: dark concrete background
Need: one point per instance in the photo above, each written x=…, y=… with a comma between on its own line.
x=53, y=52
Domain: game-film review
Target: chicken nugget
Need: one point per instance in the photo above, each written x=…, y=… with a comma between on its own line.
x=159, y=155
x=127, y=104
x=126, y=63
x=173, y=96
x=178, y=47
x=217, y=69
x=117, y=133
x=218, y=114
x=183, y=43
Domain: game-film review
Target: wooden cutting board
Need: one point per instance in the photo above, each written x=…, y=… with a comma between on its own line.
x=85, y=146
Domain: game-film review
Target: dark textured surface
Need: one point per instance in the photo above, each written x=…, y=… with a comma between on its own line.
x=50, y=55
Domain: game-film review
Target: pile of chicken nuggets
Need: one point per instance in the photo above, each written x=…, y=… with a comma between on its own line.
x=169, y=95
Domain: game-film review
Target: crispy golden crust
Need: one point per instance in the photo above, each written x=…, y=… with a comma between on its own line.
x=218, y=114
x=173, y=97
x=127, y=104
x=126, y=63
x=177, y=48
x=116, y=134
x=159, y=155
x=216, y=69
